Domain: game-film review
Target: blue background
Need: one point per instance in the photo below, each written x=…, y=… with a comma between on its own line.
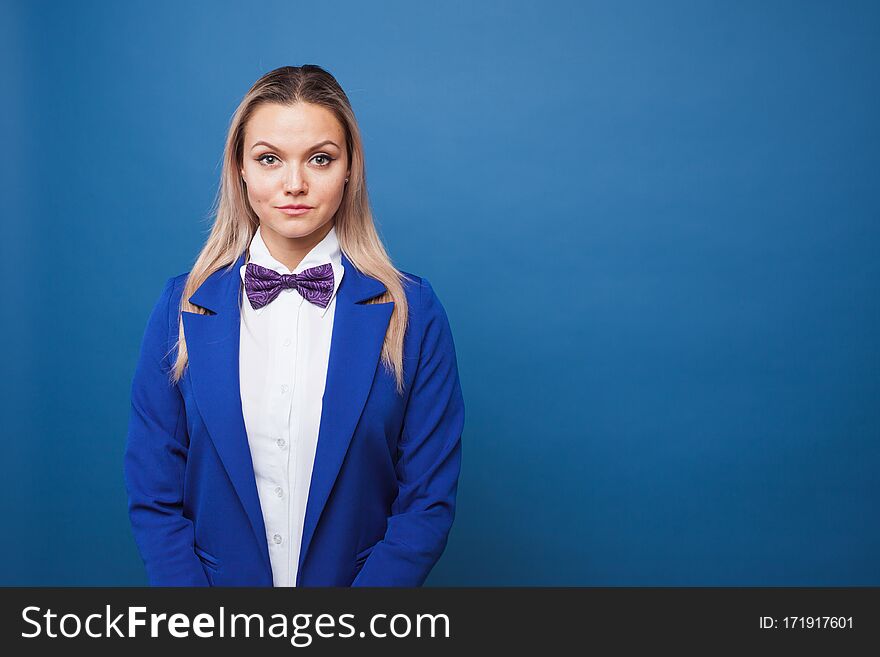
x=654, y=227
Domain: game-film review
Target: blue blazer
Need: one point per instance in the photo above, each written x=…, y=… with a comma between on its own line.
x=383, y=488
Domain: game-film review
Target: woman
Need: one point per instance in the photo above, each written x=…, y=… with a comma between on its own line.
x=296, y=411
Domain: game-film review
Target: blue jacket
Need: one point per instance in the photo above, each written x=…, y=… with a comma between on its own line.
x=383, y=488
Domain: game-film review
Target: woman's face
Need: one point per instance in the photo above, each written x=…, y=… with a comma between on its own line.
x=294, y=155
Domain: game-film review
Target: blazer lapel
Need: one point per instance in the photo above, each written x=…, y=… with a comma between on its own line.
x=356, y=345
x=213, y=348
x=212, y=343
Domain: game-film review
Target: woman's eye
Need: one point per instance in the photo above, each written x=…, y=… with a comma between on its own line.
x=263, y=159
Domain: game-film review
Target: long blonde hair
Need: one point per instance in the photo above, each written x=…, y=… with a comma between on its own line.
x=236, y=222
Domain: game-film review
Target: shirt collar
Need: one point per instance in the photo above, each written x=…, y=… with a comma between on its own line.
x=327, y=250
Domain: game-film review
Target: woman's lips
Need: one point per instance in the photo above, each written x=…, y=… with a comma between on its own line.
x=294, y=211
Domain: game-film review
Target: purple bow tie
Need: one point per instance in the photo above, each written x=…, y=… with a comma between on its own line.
x=262, y=285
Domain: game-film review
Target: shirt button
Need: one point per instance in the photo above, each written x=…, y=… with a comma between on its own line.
x=286, y=342
x=281, y=442
x=279, y=492
x=283, y=388
x=277, y=539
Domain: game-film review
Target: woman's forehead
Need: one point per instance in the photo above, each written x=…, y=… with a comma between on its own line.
x=293, y=127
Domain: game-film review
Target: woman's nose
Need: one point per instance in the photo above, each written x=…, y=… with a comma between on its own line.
x=294, y=181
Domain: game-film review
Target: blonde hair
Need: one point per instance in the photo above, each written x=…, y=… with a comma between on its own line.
x=236, y=222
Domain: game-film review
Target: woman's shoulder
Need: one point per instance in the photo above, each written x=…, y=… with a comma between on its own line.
x=421, y=296
x=171, y=292
x=175, y=283
x=429, y=332
x=411, y=284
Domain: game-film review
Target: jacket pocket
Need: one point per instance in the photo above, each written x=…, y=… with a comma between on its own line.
x=206, y=557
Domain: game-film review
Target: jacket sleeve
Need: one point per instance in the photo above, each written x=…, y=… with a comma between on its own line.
x=429, y=460
x=155, y=460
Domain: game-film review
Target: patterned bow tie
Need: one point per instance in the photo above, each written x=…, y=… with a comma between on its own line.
x=263, y=285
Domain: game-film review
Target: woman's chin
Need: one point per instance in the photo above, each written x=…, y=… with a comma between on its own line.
x=293, y=228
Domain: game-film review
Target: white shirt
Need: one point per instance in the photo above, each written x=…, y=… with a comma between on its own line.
x=283, y=356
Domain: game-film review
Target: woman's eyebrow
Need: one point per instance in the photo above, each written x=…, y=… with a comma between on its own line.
x=266, y=143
